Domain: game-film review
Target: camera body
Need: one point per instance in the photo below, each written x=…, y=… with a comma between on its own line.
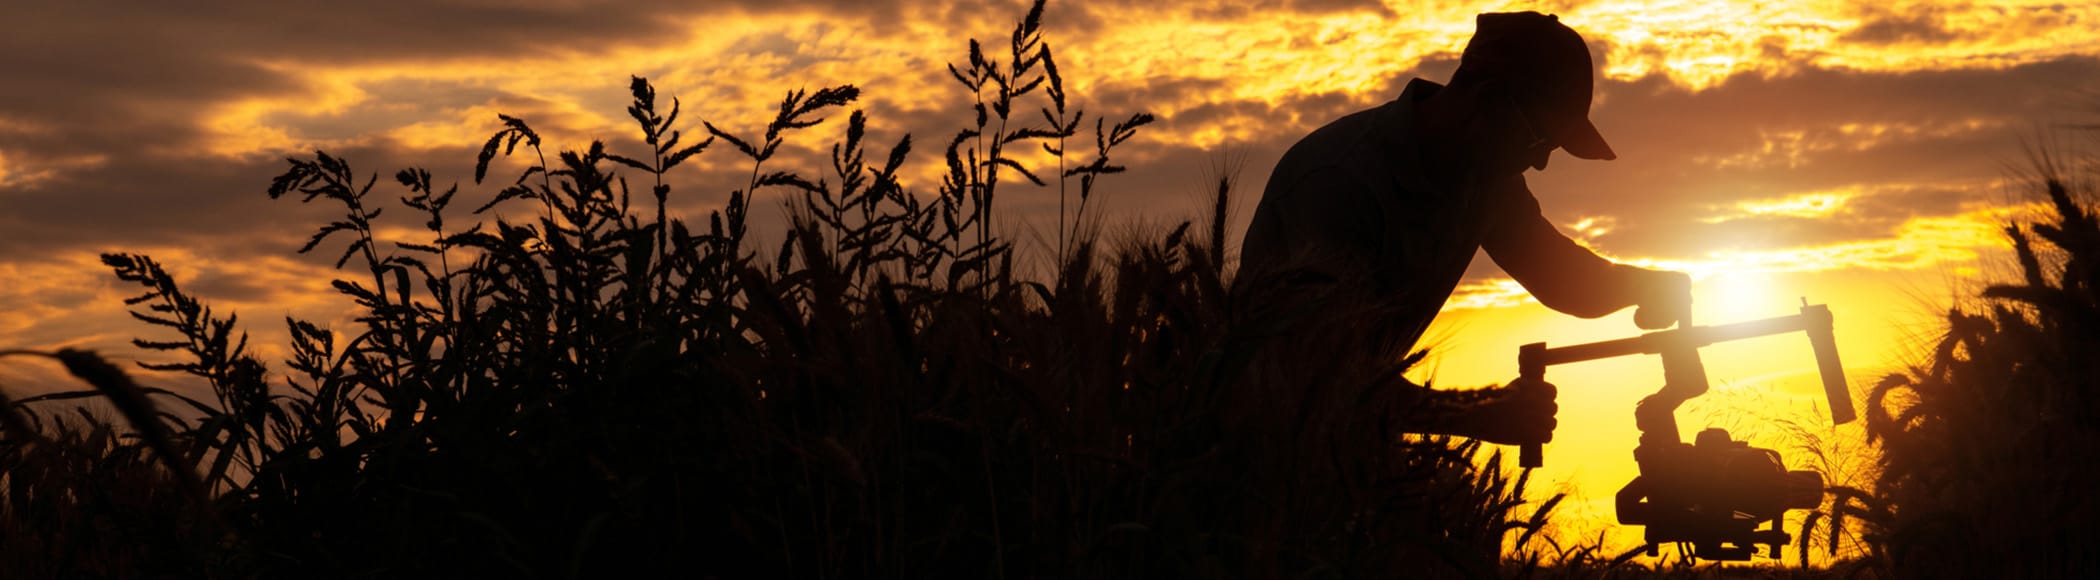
x=1715, y=494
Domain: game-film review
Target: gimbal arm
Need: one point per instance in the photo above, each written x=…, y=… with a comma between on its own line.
x=1684, y=375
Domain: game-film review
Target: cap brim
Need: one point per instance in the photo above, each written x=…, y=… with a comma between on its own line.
x=1581, y=140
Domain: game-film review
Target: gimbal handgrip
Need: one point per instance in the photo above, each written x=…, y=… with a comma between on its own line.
x=1531, y=364
x=1824, y=342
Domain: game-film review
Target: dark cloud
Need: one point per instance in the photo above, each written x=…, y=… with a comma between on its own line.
x=336, y=32
x=140, y=201
x=88, y=65
x=1920, y=24
x=131, y=77
x=1242, y=10
x=1659, y=185
x=391, y=103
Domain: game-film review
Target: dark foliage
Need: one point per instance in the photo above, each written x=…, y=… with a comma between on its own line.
x=1985, y=449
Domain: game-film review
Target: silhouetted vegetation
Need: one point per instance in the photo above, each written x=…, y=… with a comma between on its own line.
x=604, y=388
x=1986, y=447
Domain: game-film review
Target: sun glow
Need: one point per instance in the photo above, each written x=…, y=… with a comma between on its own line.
x=1721, y=298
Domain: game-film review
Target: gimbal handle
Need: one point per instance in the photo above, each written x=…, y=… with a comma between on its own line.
x=1815, y=320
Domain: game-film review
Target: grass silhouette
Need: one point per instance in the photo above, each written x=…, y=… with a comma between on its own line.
x=602, y=390
x=1985, y=448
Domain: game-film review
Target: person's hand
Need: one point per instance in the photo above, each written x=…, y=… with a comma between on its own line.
x=1514, y=415
x=1664, y=299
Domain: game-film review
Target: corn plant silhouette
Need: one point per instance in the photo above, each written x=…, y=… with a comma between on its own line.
x=1985, y=448
x=600, y=390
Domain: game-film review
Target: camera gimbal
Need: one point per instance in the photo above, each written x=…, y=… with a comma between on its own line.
x=1715, y=492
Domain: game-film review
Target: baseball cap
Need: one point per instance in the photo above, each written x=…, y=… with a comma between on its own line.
x=1550, y=65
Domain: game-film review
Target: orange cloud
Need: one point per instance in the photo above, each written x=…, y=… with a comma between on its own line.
x=1812, y=205
x=21, y=170
x=1794, y=148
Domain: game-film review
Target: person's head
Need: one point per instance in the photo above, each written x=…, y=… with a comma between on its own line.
x=1528, y=77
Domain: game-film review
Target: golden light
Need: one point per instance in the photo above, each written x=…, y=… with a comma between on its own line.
x=1726, y=297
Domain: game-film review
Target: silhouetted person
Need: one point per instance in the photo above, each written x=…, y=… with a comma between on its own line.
x=1389, y=206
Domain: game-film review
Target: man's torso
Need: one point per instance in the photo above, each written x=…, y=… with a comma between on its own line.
x=1353, y=201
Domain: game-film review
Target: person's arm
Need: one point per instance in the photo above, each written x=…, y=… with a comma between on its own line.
x=1570, y=278
x=1520, y=413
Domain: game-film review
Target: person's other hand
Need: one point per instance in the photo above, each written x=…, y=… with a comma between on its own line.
x=1520, y=413
x=1665, y=299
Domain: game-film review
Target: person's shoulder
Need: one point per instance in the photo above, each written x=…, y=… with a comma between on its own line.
x=1355, y=127
x=1342, y=142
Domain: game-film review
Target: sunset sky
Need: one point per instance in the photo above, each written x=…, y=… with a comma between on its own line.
x=1860, y=154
